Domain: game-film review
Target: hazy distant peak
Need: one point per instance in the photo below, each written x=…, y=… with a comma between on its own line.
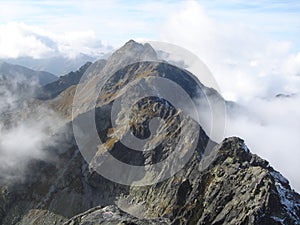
x=16, y=72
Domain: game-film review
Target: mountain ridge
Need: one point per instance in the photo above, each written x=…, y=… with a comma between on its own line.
x=226, y=185
x=51, y=90
x=17, y=72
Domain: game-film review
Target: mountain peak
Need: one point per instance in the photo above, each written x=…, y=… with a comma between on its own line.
x=142, y=51
x=225, y=185
x=131, y=41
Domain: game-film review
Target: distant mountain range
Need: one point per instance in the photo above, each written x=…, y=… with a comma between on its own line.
x=53, y=89
x=17, y=73
x=56, y=65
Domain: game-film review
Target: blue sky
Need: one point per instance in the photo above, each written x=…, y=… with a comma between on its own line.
x=240, y=38
x=116, y=21
x=257, y=37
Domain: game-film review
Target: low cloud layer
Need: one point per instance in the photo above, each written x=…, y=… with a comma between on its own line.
x=26, y=130
x=245, y=63
x=271, y=129
x=250, y=69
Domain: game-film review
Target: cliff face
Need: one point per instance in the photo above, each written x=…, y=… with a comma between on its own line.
x=220, y=184
x=237, y=188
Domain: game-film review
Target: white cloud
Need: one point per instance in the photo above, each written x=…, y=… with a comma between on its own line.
x=25, y=131
x=248, y=65
x=21, y=40
x=292, y=65
x=271, y=129
x=251, y=69
x=17, y=40
x=244, y=63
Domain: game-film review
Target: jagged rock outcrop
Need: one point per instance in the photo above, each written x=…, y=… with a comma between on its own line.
x=238, y=188
x=235, y=187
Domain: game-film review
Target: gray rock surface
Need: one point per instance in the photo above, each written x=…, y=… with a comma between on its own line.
x=236, y=187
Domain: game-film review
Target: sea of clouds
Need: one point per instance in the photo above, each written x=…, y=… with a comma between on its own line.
x=250, y=69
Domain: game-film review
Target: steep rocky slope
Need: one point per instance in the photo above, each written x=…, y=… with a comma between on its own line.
x=221, y=184
x=238, y=188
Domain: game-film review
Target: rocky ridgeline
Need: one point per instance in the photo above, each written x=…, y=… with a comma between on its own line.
x=236, y=187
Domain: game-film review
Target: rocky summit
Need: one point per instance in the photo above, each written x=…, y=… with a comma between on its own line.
x=220, y=183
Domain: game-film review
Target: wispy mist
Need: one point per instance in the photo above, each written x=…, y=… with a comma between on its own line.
x=271, y=129
x=250, y=68
x=26, y=129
